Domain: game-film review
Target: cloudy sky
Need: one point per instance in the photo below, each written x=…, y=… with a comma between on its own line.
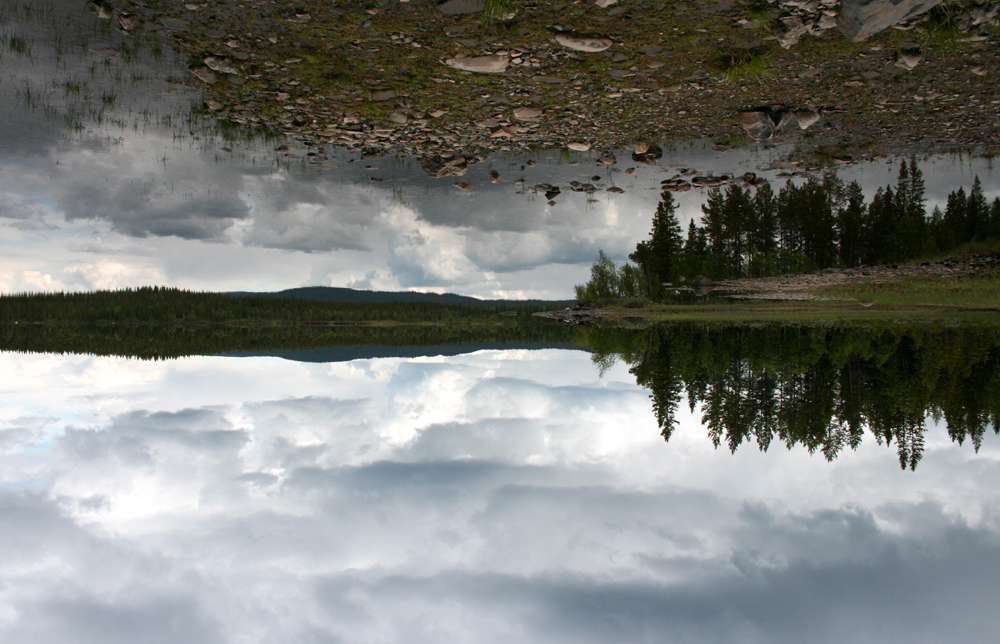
x=492, y=497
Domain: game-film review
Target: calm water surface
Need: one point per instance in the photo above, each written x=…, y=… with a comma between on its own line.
x=495, y=496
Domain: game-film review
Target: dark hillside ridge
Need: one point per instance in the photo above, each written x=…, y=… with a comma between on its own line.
x=341, y=294
x=372, y=351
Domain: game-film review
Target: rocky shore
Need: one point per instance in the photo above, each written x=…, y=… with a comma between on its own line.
x=442, y=82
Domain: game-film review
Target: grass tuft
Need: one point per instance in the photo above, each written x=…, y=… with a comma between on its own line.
x=498, y=9
x=745, y=66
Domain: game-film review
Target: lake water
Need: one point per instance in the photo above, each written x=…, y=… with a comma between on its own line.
x=501, y=495
x=581, y=489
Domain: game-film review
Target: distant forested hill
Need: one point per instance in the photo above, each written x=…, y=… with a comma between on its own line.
x=158, y=305
x=336, y=294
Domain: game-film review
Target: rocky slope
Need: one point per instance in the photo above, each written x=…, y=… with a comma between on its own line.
x=447, y=84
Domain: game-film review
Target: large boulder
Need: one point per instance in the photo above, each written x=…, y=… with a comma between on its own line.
x=761, y=123
x=859, y=19
x=758, y=124
x=650, y=156
x=451, y=166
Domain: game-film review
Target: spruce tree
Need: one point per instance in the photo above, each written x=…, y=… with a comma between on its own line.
x=976, y=213
x=659, y=257
x=763, y=239
x=850, y=226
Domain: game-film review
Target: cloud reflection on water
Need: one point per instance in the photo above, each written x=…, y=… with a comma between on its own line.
x=495, y=496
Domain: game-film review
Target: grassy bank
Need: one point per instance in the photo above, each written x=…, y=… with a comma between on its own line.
x=977, y=291
x=971, y=298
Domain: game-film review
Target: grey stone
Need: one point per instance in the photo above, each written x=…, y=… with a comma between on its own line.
x=127, y=21
x=383, y=95
x=758, y=124
x=582, y=43
x=806, y=118
x=479, y=64
x=450, y=166
x=908, y=60
x=218, y=64
x=173, y=24
x=859, y=19
x=203, y=74
x=762, y=123
x=527, y=114
x=101, y=9
x=552, y=80
x=652, y=154
x=459, y=7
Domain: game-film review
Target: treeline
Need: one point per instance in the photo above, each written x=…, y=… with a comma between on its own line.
x=340, y=294
x=820, y=387
x=160, y=305
x=159, y=342
x=819, y=224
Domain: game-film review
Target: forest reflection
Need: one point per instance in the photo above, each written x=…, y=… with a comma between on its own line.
x=820, y=387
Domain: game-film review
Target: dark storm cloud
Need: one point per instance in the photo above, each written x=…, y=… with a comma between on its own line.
x=152, y=620
x=22, y=214
x=142, y=208
x=26, y=134
x=888, y=589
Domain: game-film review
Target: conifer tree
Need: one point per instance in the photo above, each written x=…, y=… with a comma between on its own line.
x=850, y=226
x=954, y=227
x=659, y=257
x=976, y=213
x=763, y=239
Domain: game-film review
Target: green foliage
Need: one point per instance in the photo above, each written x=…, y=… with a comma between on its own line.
x=941, y=29
x=744, y=66
x=820, y=387
x=497, y=9
x=976, y=291
x=156, y=305
x=608, y=282
x=818, y=224
x=658, y=258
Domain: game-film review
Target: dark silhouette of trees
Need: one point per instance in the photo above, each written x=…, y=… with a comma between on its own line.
x=659, y=257
x=820, y=387
x=163, y=341
x=851, y=226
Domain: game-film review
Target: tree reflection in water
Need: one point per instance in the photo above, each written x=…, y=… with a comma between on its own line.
x=821, y=387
